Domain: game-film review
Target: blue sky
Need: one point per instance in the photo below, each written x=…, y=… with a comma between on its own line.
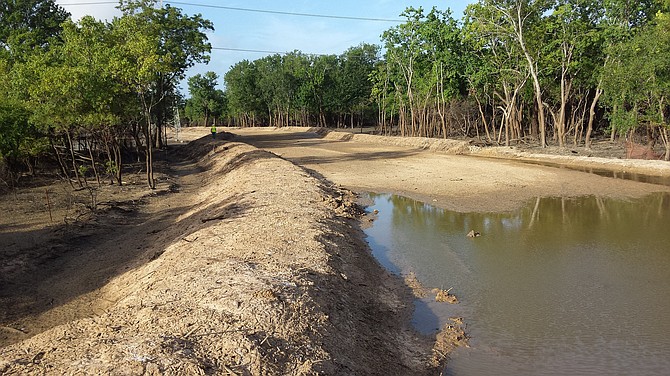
x=278, y=32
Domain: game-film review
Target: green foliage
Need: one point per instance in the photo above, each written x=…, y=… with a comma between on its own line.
x=82, y=169
x=498, y=71
x=111, y=167
x=29, y=24
x=206, y=100
x=638, y=79
x=423, y=70
x=16, y=135
x=301, y=89
x=27, y=28
x=93, y=79
x=158, y=42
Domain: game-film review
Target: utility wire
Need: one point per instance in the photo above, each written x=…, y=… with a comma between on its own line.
x=254, y=11
x=286, y=13
x=90, y=3
x=251, y=10
x=267, y=51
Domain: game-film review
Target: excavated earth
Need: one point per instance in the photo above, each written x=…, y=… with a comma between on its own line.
x=251, y=262
x=240, y=264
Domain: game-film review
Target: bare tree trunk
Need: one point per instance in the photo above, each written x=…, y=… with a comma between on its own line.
x=118, y=162
x=74, y=162
x=95, y=170
x=613, y=134
x=663, y=130
x=518, y=23
x=483, y=117
x=592, y=115
x=149, y=147
x=149, y=155
x=61, y=162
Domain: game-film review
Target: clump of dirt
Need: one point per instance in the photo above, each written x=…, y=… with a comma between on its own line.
x=444, y=296
x=418, y=289
x=450, y=337
x=259, y=268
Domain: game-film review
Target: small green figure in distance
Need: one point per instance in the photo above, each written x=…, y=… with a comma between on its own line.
x=214, y=132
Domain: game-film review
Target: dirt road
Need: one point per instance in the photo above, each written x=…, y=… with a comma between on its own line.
x=456, y=182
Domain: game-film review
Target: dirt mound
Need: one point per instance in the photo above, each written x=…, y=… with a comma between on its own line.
x=267, y=273
x=449, y=146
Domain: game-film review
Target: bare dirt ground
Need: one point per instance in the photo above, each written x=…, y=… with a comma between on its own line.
x=454, y=175
x=243, y=263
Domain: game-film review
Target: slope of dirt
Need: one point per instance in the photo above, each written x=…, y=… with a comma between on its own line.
x=603, y=155
x=260, y=270
x=59, y=246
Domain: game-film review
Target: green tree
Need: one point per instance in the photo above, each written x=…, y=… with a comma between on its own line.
x=637, y=83
x=205, y=98
x=514, y=22
x=570, y=38
x=245, y=101
x=423, y=69
x=27, y=27
x=155, y=47
x=354, y=84
x=27, y=24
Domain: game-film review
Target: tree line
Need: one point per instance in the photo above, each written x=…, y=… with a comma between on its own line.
x=91, y=93
x=94, y=94
x=300, y=89
x=512, y=71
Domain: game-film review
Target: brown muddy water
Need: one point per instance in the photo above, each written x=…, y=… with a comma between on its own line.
x=560, y=287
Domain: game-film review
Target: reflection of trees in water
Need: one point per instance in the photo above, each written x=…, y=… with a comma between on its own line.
x=549, y=219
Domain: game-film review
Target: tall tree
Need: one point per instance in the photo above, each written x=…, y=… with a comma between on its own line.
x=423, y=68
x=353, y=79
x=26, y=24
x=27, y=28
x=204, y=96
x=245, y=101
x=155, y=47
x=638, y=83
x=514, y=19
x=570, y=37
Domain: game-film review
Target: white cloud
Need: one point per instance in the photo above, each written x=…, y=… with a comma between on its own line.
x=81, y=8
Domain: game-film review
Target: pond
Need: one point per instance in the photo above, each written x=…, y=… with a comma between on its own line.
x=560, y=287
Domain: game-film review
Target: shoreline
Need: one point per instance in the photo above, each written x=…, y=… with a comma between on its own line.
x=449, y=174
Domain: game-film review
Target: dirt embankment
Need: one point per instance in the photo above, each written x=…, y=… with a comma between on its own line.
x=602, y=156
x=265, y=272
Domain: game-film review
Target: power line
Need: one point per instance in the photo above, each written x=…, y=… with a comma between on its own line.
x=251, y=10
x=286, y=13
x=349, y=56
x=254, y=11
x=89, y=3
x=263, y=51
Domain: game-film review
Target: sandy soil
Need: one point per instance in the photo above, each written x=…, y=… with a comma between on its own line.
x=452, y=174
x=240, y=264
x=244, y=263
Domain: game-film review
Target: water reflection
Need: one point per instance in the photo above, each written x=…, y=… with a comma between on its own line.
x=562, y=286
